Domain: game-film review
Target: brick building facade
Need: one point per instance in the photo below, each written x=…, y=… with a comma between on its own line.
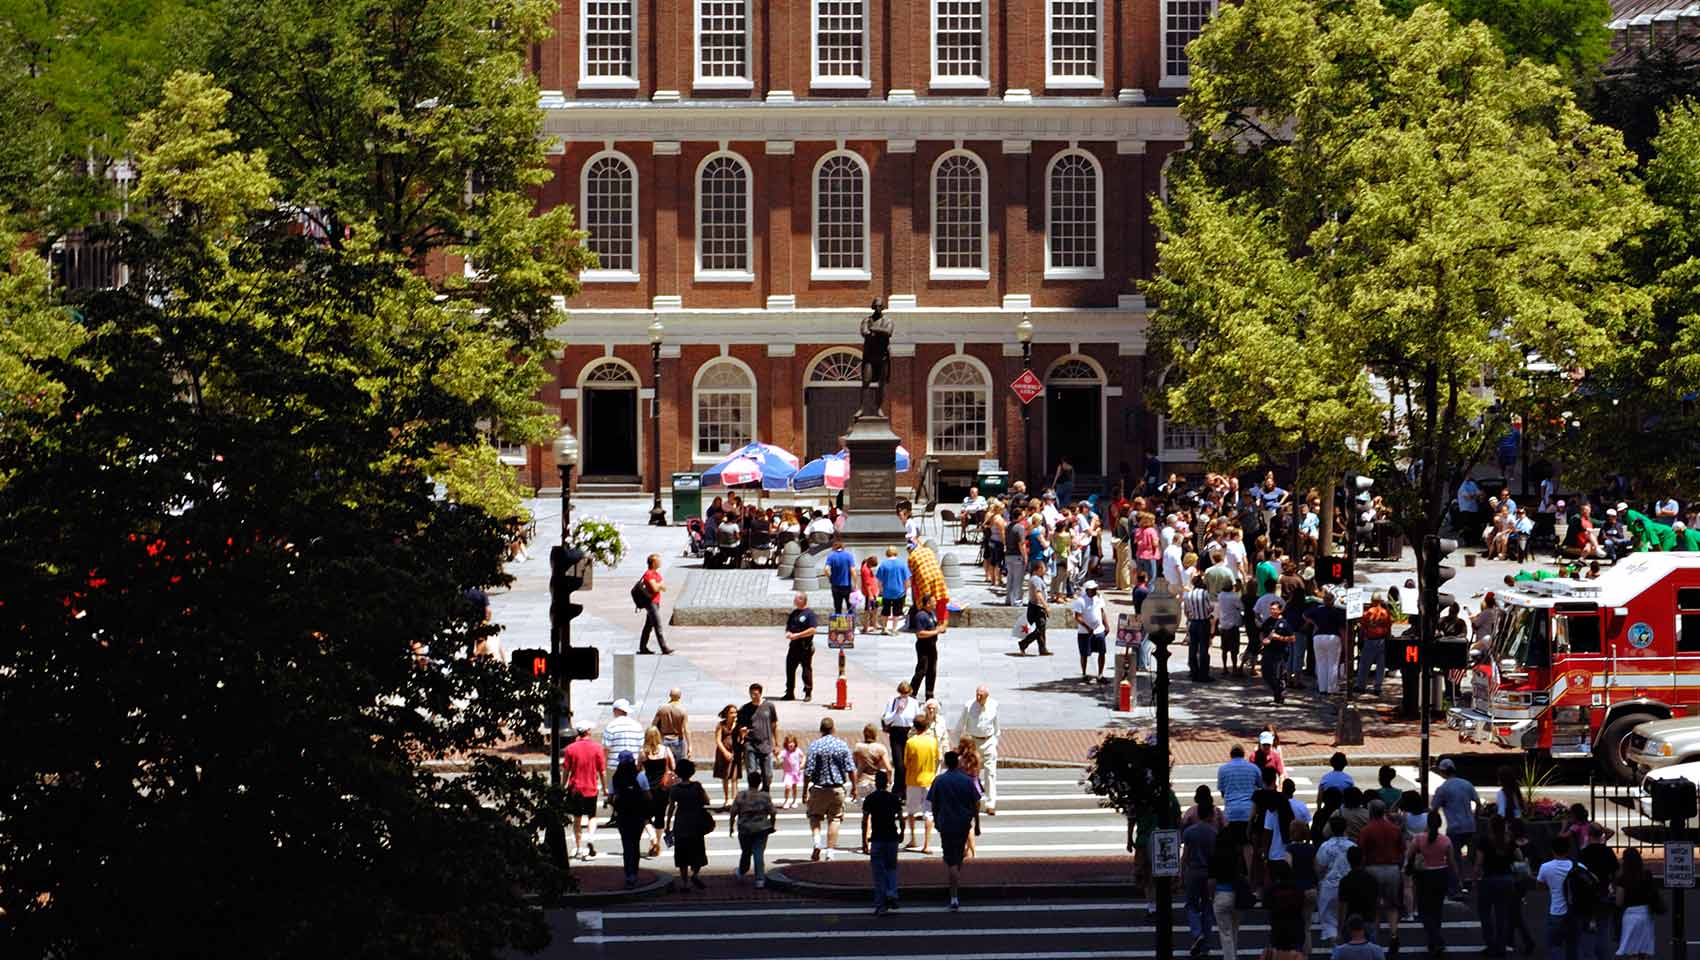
x=754, y=174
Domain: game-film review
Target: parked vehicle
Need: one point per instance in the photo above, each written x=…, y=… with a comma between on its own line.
x=1663, y=743
x=1577, y=665
x=1685, y=771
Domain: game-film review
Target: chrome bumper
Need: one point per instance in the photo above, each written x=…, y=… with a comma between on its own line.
x=1475, y=726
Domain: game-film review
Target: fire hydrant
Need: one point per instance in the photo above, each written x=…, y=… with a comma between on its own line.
x=1124, y=702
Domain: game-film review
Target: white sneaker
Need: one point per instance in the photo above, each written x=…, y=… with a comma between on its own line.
x=829, y=854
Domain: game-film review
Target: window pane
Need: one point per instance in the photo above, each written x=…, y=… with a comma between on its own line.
x=723, y=241
x=723, y=38
x=608, y=46
x=724, y=421
x=960, y=50
x=959, y=421
x=838, y=38
x=610, y=214
x=1074, y=213
x=957, y=223
x=1074, y=38
x=842, y=200
x=1183, y=20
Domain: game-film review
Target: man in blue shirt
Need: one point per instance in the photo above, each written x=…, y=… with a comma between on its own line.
x=1236, y=781
x=1336, y=777
x=893, y=575
x=955, y=798
x=827, y=773
x=800, y=650
x=840, y=565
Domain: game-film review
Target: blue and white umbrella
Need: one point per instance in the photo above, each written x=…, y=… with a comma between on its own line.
x=754, y=465
x=830, y=472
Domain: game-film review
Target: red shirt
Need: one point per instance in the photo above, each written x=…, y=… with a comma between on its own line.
x=652, y=579
x=1381, y=842
x=1376, y=622
x=585, y=761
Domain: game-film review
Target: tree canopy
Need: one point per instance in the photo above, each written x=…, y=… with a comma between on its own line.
x=1378, y=223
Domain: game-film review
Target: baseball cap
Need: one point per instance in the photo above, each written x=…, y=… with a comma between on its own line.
x=626, y=756
x=1091, y=585
x=1266, y=738
x=623, y=705
x=1621, y=506
x=583, y=726
x=1611, y=512
x=1447, y=766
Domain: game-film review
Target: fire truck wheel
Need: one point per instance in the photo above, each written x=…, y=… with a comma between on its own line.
x=1612, y=750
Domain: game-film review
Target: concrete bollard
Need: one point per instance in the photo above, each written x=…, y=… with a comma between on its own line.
x=788, y=554
x=625, y=676
x=808, y=573
x=952, y=570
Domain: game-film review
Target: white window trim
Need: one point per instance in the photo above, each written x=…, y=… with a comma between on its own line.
x=728, y=276
x=612, y=276
x=985, y=391
x=700, y=82
x=960, y=83
x=816, y=272
x=1164, y=451
x=958, y=273
x=587, y=82
x=1163, y=78
x=755, y=412
x=819, y=82
x=1054, y=82
x=1076, y=273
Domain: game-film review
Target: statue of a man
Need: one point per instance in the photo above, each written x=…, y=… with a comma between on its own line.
x=876, y=361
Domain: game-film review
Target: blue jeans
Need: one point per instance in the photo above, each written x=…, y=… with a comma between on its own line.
x=1150, y=568
x=1373, y=656
x=1200, y=906
x=752, y=846
x=1561, y=938
x=1198, y=648
x=1296, y=658
x=882, y=855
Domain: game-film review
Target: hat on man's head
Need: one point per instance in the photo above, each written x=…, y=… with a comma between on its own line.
x=626, y=756
x=1612, y=512
x=583, y=726
x=1048, y=496
x=1621, y=506
x=1447, y=766
x=1266, y=738
x=623, y=705
x=1090, y=585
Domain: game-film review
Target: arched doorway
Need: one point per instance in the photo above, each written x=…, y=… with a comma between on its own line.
x=1074, y=416
x=830, y=394
x=608, y=420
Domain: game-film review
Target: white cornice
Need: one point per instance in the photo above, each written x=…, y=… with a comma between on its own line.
x=1046, y=118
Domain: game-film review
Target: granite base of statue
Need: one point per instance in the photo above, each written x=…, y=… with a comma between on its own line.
x=870, y=495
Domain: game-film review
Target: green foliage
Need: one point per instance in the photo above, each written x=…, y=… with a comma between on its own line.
x=1378, y=219
x=36, y=336
x=1569, y=34
x=1126, y=771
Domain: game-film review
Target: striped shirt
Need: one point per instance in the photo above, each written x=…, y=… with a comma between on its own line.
x=621, y=734
x=829, y=763
x=1196, y=602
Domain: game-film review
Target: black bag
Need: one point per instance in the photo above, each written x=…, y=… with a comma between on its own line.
x=1583, y=889
x=640, y=595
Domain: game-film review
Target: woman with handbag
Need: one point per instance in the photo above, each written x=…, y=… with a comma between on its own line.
x=1638, y=895
x=1430, y=860
x=657, y=763
x=690, y=823
x=728, y=754
x=631, y=814
x=753, y=818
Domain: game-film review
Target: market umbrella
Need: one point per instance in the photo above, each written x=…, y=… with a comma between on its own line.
x=829, y=472
x=902, y=457
x=754, y=465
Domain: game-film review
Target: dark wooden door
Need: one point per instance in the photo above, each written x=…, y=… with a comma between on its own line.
x=829, y=411
x=1074, y=429
x=610, y=433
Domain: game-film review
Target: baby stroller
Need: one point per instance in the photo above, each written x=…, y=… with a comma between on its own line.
x=696, y=544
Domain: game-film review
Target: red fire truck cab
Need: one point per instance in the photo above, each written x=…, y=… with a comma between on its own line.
x=1575, y=664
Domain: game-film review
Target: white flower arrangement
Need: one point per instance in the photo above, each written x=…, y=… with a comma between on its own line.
x=600, y=539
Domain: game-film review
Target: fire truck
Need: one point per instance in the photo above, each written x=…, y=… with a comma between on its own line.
x=1575, y=665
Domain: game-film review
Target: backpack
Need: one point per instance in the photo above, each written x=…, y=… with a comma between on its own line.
x=1583, y=890
x=640, y=595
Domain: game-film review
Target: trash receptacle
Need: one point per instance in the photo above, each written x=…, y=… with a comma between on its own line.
x=687, y=496
x=992, y=483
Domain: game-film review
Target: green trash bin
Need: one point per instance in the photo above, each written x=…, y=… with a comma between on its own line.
x=993, y=483
x=687, y=496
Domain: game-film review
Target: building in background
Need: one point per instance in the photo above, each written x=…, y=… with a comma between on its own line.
x=755, y=174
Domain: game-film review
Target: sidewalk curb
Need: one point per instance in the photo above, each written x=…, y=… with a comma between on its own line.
x=659, y=884
x=779, y=880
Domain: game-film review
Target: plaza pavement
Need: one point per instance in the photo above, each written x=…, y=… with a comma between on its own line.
x=1050, y=715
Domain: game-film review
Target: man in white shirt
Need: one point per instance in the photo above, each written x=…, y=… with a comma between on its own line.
x=1090, y=620
x=973, y=503
x=1050, y=511
x=1561, y=930
x=821, y=525
x=1173, y=570
x=1234, y=547
x=622, y=733
x=980, y=721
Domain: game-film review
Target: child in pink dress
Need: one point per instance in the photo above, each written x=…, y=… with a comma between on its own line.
x=791, y=769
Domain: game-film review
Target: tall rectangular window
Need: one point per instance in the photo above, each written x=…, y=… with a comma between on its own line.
x=609, y=43
x=1073, y=44
x=1183, y=21
x=959, y=43
x=840, y=43
x=723, y=43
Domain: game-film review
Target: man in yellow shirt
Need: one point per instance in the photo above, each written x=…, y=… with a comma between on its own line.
x=920, y=763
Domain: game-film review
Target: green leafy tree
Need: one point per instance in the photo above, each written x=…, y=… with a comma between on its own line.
x=237, y=618
x=1378, y=218
x=1569, y=34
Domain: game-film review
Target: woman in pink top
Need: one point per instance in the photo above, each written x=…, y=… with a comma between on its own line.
x=1431, y=855
x=1146, y=548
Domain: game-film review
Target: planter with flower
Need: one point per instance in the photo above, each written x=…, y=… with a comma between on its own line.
x=601, y=542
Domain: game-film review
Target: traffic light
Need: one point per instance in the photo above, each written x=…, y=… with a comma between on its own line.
x=1357, y=483
x=573, y=663
x=1411, y=650
x=1438, y=573
x=580, y=663
x=564, y=578
x=1333, y=570
x=530, y=665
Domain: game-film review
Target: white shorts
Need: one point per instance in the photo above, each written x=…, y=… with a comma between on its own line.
x=917, y=802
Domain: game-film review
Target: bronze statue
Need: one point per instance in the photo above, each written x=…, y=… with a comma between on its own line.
x=876, y=361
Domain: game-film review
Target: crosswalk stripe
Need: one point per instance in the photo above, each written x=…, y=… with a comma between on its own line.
x=1073, y=954
x=852, y=811
x=839, y=934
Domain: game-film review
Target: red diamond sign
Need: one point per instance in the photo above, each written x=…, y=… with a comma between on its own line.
x=1027, y=386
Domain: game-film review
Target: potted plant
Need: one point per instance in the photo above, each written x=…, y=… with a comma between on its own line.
x=600, y=541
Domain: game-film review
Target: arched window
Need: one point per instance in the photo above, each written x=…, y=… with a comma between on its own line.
x=841, y=218
x=834, y=368
x=1074, y=232
x=725, y=404
x=610, y=216
x=723, y=218
x=609, y=373
x=959, y=217
x=1176, y=440
x=959, y=400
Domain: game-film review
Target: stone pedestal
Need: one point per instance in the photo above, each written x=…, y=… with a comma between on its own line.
x=870, y=496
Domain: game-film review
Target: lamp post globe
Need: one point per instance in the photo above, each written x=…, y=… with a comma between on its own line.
x=566, y=458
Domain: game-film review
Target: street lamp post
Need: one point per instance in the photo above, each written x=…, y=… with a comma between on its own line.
x=560, y=635
x=657, y=516
x=1024, y=333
